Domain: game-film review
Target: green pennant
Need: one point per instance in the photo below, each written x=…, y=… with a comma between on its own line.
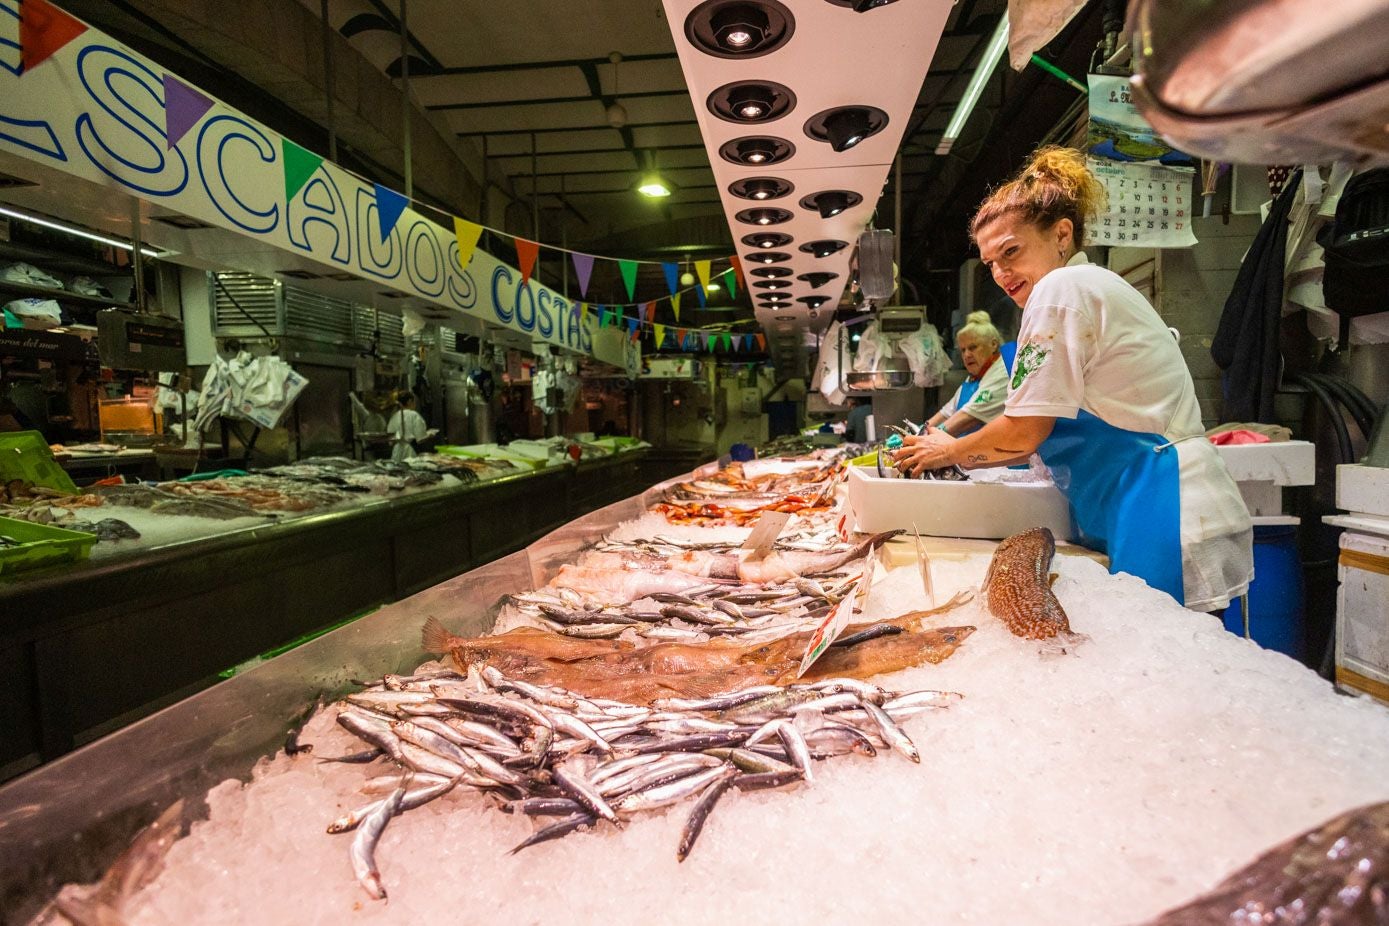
x=731, y=279
x=300, y=165
x=629, y=276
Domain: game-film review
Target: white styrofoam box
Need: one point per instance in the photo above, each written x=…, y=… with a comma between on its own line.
x=985, y=511
x=1261, y=498
x=1362, y=611
x=1362, y=488
x=1283, y=463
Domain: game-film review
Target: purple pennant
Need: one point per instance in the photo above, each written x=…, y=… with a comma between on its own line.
x=672, y=272
x=583, y=270
x=183, y=107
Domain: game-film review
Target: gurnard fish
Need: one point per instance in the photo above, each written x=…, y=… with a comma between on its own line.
x=1334, y=875
x=1017, y=587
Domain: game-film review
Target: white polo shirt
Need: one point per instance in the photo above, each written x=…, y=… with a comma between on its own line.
x=1091, y=341
x=987, y=402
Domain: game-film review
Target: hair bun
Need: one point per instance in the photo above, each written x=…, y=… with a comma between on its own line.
x=979, y=317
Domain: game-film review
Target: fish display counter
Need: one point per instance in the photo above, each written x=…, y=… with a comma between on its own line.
x=704, y=700
x=190, y=579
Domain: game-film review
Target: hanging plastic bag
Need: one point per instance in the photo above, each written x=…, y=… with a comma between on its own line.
x=926, y=355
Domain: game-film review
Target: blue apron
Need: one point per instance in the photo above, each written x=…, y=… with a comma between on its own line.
x=1125, y=496
x=970, y=386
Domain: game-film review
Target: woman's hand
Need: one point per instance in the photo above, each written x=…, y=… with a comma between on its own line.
x=921, y=452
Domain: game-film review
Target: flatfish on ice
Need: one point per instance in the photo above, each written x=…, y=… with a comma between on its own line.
x=1017, y=587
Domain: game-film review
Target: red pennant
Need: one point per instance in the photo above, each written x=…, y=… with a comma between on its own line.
x=651, y=312
x=43, y=30
x=737, y=263
x=526, y=253
x=761, y=342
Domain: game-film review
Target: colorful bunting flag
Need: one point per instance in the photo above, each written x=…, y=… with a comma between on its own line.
x=389, y=207
x=468, y=234
x=299, y=163
x=583, y=270
x=632, y=324
x=737, y=263
x=43, y=31
x=660, y=332
x=628, y=268
x=761, y=341
x=602, y=316
x=747, y=342
x=702, y=270
x=583, y=315
x=727, y=341
x=672, y=272
x=183, y=107
x=730, y=279
x=526, y=253
x=650, y=311
x=675, y=305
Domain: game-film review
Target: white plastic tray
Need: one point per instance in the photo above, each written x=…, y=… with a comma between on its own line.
x=987, y=511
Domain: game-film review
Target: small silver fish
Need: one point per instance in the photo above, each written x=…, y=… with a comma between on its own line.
x=363, y=852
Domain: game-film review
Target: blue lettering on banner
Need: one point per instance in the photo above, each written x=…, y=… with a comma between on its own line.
x=462, y=291
x=427, y=275
x=321, y=203
x=10, y=56
x=573, y=334
x=586, y=336
x=526, y=323
x=369, y=243
x=544, y=321
x=46, y=144
x=503, y=272
x=136, y=157
x=214, y=137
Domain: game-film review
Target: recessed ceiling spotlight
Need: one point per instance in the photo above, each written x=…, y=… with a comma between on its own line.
x=816, y=280
x=814, y=301
x=748, y=101
x=767, y=240
x=764, y=216
x=831, y=202
x=771, y=272
x=824, y=248
x=739, y=29
x=846, y=126
x=757, y=151
x=761, y=188
x=768, y=257
x=772, y=284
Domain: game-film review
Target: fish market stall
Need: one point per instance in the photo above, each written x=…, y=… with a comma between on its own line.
x=985, y=745
x=224, y=570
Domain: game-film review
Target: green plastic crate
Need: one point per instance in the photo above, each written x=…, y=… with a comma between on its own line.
x=25, y=455
x=41, y=545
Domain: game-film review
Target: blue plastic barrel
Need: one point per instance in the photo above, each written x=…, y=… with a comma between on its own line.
x=1275, y=595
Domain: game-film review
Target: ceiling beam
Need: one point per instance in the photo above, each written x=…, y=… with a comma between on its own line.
x=494, y=104
x=581, y=128
x=544, y=65
x=582, y=151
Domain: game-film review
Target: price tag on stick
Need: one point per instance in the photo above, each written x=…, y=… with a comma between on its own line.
x=834, y=623
x=923, y=563
x=768, y=528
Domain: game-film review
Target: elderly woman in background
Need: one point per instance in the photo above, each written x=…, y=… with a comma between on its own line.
x=980, y=397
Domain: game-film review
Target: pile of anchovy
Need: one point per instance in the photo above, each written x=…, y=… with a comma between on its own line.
x=584, y=762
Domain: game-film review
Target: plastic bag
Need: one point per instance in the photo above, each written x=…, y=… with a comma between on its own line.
x=927, y=356
x=36, y=314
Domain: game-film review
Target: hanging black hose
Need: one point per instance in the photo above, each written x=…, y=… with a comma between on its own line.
x=1343, y=392
x=1345, y=450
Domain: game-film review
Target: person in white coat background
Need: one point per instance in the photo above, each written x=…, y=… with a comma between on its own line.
x=405, y=427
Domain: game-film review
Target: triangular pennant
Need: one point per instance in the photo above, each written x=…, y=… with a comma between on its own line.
x=602, y=317
x=300, y=164
x=43, y=30
x=747, y=342
x=675, y=305
x=628, y=269
x=702, y=269
x=526, y=253
x=583, y=270
x=761, y=341
x=699, y=294
x=651, y=312
x=632, y=324
x=672, y=272
x=468, y=234
x=730, y=279
x=737, y=263
x=660, y=332
x=727, y=341
x=583, y=315
x=183, y=107
x=389, y=206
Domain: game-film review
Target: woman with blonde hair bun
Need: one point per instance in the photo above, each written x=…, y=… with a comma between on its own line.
x=979, y=399
x=1100, y=390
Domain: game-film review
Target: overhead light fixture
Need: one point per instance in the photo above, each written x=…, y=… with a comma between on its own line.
x=993, y=53
x=771, y=272
x=739, y=29
x=749, y=101
x=617, y=115
x=831, y=202
x=846, y=126
x=824, y=248
x=862, y=6
x=760, y=188
x=687, y=278
x=814, y=301
x=764, y=216
x=713, y=287
x=772, y=284
x=816, y=280
x=768, y=257
x=767, y=240
x=655, y=186
x=756, y=150
x=76, y=232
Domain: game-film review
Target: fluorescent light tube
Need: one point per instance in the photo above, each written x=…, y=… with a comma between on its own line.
x=992, y=53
